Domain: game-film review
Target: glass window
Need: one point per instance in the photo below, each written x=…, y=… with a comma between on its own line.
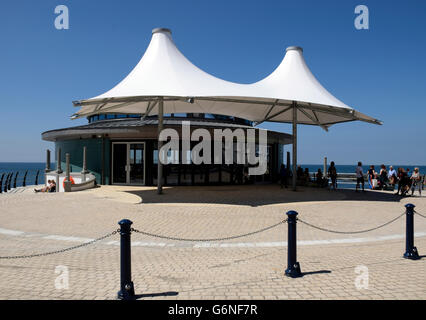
x=155, y=156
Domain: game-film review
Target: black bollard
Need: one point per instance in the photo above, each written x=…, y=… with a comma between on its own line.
x=410, y=249
x=293, y=267
x=127, y=290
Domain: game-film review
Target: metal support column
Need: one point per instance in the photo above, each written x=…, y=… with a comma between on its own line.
x=58, y=168
x=160, y=144
x=325, y=167
x=294, y=145
x=84, y=172
x=47, y=161
x=67, y=181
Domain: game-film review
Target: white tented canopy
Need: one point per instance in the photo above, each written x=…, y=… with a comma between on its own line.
x=165, y=72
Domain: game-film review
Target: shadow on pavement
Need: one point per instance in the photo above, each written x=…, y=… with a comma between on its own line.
x=153, y=295
x=256, y=195
x=315, y=272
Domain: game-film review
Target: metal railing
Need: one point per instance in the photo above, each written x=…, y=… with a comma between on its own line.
x=13, y=180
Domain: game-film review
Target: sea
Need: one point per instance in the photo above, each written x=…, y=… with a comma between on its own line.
x=21, y=167
x=33, y=167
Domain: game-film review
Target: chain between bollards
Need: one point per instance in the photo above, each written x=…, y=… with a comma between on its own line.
x=60, y=250
x=211, y=239
x=419, y=214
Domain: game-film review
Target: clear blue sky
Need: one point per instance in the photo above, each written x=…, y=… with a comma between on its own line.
x=380, y=71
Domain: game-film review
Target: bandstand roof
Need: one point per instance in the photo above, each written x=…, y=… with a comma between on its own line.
x=165, y=72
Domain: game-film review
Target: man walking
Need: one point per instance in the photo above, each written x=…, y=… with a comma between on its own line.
x=359, y=177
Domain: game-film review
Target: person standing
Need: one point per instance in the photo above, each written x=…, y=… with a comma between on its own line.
x=392, y=176
x=402, y=181
x=359, y=177
x=283, y=176
x=416, y=181
x=332, y=173
x=372, y=177
x=383, y=177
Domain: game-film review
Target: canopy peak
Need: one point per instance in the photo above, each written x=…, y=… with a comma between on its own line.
x=294, y=48
x=161, y=30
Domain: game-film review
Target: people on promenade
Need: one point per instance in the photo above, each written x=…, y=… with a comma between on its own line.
x=372, y=176
x=319, y=178
x=51, y=187
x=306, y=176
x=403, y=182
x=299, y=173
x=332, y=174
x=383, y=177
x=392, y=176
x=283, y=176
x=416, y=181
x=359, y=177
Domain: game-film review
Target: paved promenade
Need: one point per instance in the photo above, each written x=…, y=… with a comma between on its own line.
x=251, y=267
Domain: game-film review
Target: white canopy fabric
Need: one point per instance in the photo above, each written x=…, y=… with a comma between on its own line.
x=165, y=72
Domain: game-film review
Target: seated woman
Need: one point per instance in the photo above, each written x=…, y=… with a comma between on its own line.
x=52, y=186
x=46, y=188
x=319, y=178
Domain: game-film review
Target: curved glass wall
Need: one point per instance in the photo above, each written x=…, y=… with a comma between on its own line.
x=207, y=116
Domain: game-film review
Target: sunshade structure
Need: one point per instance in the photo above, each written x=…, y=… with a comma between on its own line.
x=165, y=81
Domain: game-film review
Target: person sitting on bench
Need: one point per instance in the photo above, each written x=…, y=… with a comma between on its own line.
x=46, y=188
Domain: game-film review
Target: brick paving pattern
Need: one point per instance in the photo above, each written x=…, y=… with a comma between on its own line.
x=178, y=270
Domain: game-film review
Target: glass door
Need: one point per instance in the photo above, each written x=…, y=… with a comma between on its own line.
x=119, y=163
x=137, y=163
x=128, y=163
